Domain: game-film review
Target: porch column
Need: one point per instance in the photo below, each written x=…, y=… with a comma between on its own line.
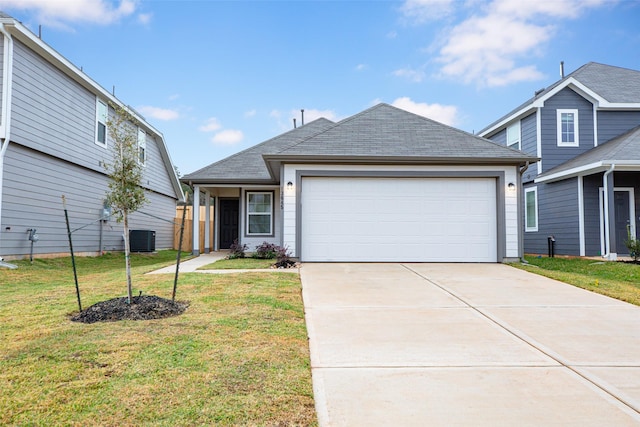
x=207, y=222
x=216, y=222
x=196, y=220
x=610, y=216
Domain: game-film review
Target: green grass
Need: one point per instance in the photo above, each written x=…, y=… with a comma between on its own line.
x=239, y=264
x=237, y=356
x=615, y=279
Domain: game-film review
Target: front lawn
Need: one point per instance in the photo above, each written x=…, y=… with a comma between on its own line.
x=239, y=264
x=615, y=279
x=237, y=356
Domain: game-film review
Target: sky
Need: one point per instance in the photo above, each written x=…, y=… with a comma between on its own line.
x=216, y=77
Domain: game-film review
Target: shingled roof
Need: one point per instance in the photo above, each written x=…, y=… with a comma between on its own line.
x=613, y=85
x=380, y=134
x=622, y=151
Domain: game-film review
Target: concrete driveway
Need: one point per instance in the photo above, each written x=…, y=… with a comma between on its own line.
x=467, y=344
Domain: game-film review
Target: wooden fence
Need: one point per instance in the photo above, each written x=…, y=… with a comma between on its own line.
x=187, y=239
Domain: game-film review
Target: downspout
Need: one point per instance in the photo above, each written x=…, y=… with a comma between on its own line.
x=605, y=183
x=523, y=169
x=5, y=119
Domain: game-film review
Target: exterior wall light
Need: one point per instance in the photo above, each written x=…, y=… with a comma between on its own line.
x=511, y=186
x=289, y=185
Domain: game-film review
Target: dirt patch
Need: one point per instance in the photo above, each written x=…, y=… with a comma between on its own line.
x=285, y=263
x=144, y=307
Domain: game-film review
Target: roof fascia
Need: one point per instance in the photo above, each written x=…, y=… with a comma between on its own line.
x=24, y=35
x=273, y=160
x=590, y=169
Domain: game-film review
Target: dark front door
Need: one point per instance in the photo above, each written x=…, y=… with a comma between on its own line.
x=623, y=222
x=229, y=213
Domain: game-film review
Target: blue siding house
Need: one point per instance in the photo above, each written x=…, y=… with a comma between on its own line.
x=53, y=142
x=585, y=189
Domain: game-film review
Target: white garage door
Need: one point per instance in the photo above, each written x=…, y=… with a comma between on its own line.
x=398, y=219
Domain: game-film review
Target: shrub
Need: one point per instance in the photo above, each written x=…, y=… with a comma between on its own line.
x=236, y=250
x=634, y=248
x=266, y=251
x=283, y=257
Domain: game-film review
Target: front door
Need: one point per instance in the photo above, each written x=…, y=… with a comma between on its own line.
x=623, y=220
x=229, y=214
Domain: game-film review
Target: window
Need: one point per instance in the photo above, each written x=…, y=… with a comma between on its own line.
x=531, y=209
x=567, y=128
x=142, y=146
x=513, y=135
x=259, y=213
x=101, y=122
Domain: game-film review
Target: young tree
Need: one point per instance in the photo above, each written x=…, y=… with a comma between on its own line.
x=125, y=194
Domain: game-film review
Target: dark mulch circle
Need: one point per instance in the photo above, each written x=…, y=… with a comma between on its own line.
x=144, y=307
x=285, y=263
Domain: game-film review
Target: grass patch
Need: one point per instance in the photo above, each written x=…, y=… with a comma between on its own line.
x=239, y=264
x=237, y=356
x=615, y=279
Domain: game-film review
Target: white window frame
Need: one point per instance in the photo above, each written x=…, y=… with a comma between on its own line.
x=533, y=190
x=101, y=119
x=576, y=136
x=142, y=146
x=248, y=213
x=514, y=128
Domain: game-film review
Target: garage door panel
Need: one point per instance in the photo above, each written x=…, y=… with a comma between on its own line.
x=398, y=219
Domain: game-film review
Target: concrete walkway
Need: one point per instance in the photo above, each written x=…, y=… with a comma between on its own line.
x=192, y=265
x=467, y=344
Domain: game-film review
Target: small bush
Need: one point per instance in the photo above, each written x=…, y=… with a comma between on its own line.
x=266, y=251
x=283, y=258
x=236, y=250
x=634, y=248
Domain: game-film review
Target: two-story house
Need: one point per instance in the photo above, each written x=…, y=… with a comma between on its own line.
x=585, y=191
x=55, y=141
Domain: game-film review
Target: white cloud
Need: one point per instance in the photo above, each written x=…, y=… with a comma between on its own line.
x=447, y=114
x=361, y=67
x=145, y=18
x=420, y=11
x=250, y=113
x=58, y=12
x=227, y=137
x=492, y=46
x=211, y=125
x=158, y=113
x=415, y=76
x=174, y=97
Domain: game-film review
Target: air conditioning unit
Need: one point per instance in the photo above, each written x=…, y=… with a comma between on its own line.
x=142, y=240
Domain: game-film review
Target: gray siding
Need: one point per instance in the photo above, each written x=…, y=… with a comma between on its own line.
x=500, y=137
x=614, y=123
x=1, y=71
x=529, y=144
x=54, y=114
x=552, y=155
x=558, y=217
x=34, y=184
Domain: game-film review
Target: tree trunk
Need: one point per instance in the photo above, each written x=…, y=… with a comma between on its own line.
x=127, y=253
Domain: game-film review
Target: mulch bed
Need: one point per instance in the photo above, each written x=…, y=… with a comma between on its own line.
x=144, y=307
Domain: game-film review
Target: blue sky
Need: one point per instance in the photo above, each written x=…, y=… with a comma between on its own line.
x=216, y=77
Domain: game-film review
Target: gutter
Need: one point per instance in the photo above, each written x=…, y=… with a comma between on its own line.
x=605, y=183
x=5, y=125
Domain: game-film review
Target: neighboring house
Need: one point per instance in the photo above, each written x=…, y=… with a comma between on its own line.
x=382, y=185
x=585, y=190
x=54, y=142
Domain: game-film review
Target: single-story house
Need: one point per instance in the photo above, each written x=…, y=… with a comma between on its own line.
x=384, y=185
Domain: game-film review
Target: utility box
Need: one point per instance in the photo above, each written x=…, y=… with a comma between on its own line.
x=142, y=240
